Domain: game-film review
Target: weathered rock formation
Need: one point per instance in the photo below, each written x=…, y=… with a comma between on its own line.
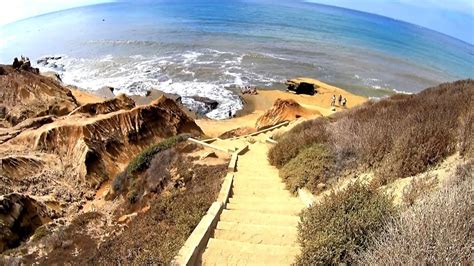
x=20, y=216
x=53, y=148
x=26, y=95
x=121, y=102
x=284, y=110
x=90, y=150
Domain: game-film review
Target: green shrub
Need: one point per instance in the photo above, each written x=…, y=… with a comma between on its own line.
x=142, y=161
x=341, y=226
x=312, y=166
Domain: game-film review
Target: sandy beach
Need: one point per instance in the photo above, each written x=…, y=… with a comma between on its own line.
x=256, y=105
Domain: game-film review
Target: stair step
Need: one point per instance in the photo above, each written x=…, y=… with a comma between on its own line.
x=269, y=200
x=260, y=191
x=253, y=183
x=257, y=234
x=226, y=252
x=289, y=209
x=252, y=217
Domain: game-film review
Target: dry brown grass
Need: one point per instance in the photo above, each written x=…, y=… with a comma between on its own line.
x=299, y=138
x=318, y=169
x=156, y=236
x=396, y=137
x=435, y=231
x=418, y=187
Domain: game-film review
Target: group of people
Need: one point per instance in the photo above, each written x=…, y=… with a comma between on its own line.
x=342, y=101
x=249, y=90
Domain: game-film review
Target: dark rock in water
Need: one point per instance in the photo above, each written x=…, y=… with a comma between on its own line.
x=20, y=216
x=209, y=103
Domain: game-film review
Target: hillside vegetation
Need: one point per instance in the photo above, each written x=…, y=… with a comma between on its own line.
x=396, y=137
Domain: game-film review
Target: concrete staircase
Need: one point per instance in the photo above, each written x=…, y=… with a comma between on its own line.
x=259, y=223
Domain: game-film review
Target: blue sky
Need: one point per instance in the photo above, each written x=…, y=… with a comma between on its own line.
x=452, y=17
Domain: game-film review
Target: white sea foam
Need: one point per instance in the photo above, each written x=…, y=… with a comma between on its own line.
x=172, y=74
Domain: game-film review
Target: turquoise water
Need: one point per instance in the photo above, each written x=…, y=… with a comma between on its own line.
x=206, y=48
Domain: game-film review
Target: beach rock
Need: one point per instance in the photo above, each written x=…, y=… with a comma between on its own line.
x=20, y=216
x=2, y=71
x=208, y=103
x=26, y=95
x=283, y=110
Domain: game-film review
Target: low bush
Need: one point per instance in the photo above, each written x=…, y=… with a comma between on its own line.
x=119, y=182
x=158, y=175
x=299, y=138
x=130, y=182
x=435, y=231
x=312, y=166
x=142, y=161
x=339, y=228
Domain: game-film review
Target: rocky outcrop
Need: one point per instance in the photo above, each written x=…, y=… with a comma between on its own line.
x=20, y=216
x=28, y=95
x=121, y=102
x=284, y=110
x=81, y=151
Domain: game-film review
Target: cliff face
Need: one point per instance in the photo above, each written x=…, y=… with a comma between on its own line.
x=26, y=95
x=65, y=155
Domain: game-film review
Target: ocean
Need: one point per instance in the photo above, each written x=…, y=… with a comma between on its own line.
x=209, y=48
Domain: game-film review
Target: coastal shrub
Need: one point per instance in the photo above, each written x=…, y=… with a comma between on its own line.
x=158, y=174
x=341, y=226
x=119, y=181
x=437, y=230
x=418, y=187
x=299, y=138
x=309, y=168
x=142, y=161
x=399, y=136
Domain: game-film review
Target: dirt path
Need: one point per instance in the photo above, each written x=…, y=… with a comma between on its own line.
x=259, y=224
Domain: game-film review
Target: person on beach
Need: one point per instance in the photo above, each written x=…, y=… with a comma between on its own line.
x=340, y=99
x=230, y=113
x=333, y=100
x=344, y=102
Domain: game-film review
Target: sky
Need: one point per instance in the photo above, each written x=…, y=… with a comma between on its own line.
x=14, y=10
x=451, y=17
